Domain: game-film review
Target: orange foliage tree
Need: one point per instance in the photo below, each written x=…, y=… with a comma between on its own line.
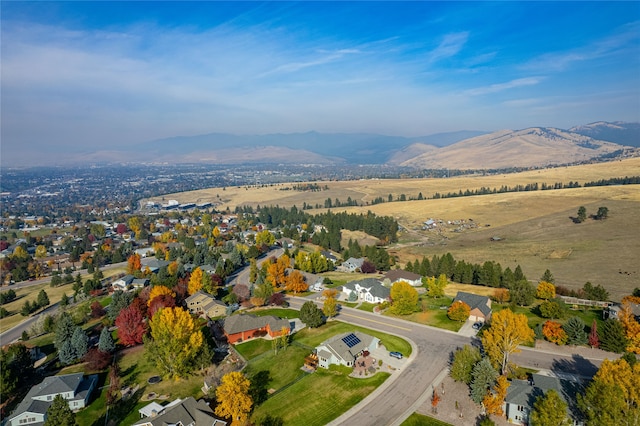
x=295, y=282
x=493, y=400
x=458, y=311
x=501, y=295
x=553, y=332
x=133, y=264
x=631, y=326
x=276, y=271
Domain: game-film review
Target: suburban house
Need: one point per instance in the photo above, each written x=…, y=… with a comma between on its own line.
x=123, y=283
x=75, y=388
x=522, y=394
x=352, y=264
x=343, y=349
x=329, y=256
x=144, y=252
x=480, y=305
x=183, y=412
x=153, y=264
x=395, y=275
x=368, y=290
x=200, y=303
x=140, y=283
x=238, y=328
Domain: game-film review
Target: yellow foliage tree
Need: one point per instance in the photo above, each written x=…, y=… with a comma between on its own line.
x=159, y=290
x=41, y=251
x=330, y=307
x=631, y=327
x=545, y=290
x=233, y=398
x=177, y=339
x=295, y=282
x=507, y=331
x=493, y=400
x=195, y=281
x=276, y=271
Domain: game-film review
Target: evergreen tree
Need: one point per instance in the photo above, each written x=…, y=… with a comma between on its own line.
x=547, y=277
x=484, y=376
x=59, y=413
x=582, y=214
x=64, y=330
x=79, y=342
x=106, y=344
x=574, y=327
x=612, y=336
x=43, y=299
x=119, y=301
x=522, y=293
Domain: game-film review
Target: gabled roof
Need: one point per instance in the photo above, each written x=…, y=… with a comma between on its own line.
x=186, y=412
x=57, y=384
x=346, y=345
x=398, y=274
x=474, y=301
x=127, y=279
x=525, y=393
x=247, y=322
x=373, y=285
x=198, y=296
x=355, y=262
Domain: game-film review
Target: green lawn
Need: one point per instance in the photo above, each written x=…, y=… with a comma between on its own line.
x=283, y=368
x=420, y=420
x=253, y=348
x=319, y=398
x=366, y=306
x=279, y=312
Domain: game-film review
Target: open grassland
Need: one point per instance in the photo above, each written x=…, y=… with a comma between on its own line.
x=535, y=228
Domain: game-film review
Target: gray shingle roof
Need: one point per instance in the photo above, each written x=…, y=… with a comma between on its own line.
x=474, y=301
x=187, y=412
x=522, y=392
x=339, y=348
x=374, y=286
x=397, y=274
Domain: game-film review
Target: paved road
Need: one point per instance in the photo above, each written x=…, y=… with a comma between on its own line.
x=242, y=276
x=403, y=393
x=15, y=333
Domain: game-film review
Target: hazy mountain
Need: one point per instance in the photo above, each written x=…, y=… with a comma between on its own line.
x=617, y=132
x=536, y=146
x=357, y=148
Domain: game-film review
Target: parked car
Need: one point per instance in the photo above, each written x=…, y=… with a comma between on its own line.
x=477, y=326
x=395, y=355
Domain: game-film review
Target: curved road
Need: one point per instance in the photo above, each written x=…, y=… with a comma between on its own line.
x=403, y=393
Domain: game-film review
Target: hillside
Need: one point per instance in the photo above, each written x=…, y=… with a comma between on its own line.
x=532, y=147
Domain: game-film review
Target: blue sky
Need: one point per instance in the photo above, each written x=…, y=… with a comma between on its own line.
x=100, y=75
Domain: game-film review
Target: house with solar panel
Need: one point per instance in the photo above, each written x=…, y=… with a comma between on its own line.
x=343, y=349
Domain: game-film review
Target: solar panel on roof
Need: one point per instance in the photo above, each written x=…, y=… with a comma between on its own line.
x=351, y=340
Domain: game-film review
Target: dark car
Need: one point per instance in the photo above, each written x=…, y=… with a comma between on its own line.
x=477, y=326
x=395, y=355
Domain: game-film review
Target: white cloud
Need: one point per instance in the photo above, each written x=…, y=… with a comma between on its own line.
x=500, y=87
x=450, y=46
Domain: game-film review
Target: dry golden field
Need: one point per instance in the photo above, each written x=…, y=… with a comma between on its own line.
x=535, y=228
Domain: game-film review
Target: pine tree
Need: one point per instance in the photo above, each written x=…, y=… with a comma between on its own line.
x=612, y=337
x=59, y=413
x=574, y=327
x=106, y=344
x=43, y=299
x=484, y=376
x=79, y=342
x=62, y=341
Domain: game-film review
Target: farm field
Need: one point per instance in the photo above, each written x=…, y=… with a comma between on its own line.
x=535, y=228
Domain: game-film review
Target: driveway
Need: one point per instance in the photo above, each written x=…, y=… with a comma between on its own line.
x=467, y=329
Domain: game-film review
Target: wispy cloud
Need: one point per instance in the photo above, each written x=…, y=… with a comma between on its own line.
x=500, y=87
x=450, y=46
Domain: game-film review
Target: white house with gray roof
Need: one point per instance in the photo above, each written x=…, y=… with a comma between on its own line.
x=522, y=394
x=75, y=388
x=343, y=349
x=367, y=290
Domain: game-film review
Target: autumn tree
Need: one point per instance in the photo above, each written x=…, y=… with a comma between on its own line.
x=134, y=264
x=59, y=413
x=276, y=271
x=159, y=302
x=131, y=326
x=551, y=309
x=501, y=295
x=435, y=286
x=549, y=410
x=41, y=251
x=554, y=332
x=195, y=280
x=613, y=396
x=594, y=340
x=404, y=298
x=435, y=399
x=175, y=341
x=265, y=238
x=295, y=282
x=463, y=362
x=493, y=400
x=545, y=290
x=507, y=331
x=458, y=311
x=159, y=290
x=631, y=327
x=330, y=307
x=233, y=398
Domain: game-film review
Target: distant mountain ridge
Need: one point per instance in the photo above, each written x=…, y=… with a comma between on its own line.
x=468, y=149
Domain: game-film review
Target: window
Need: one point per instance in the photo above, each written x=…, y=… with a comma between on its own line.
x=520, y=408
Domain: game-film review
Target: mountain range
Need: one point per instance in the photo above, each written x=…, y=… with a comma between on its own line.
x=531, y=147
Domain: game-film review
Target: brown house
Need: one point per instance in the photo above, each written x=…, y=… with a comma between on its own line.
x=480, y=305
x=239, y=328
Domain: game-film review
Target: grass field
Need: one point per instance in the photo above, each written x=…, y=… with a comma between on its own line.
x=338, y=391
x=420, y=420
x=535, y=227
